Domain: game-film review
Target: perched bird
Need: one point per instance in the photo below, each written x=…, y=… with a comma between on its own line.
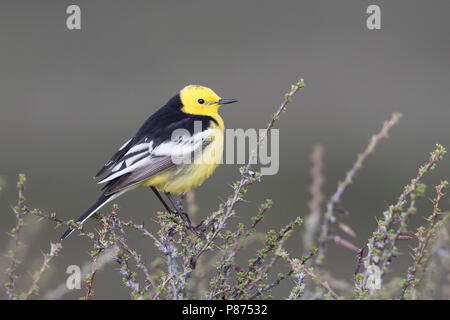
x=175, y=150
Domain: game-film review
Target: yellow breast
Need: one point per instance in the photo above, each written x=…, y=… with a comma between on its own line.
x=184, y=177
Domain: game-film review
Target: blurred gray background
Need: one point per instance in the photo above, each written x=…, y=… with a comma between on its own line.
x=69, y=99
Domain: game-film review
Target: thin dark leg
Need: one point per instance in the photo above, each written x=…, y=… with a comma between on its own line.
x=180, y=200
x=183, y=214
x=161, y=199
x=177, y=206
x=178, y=210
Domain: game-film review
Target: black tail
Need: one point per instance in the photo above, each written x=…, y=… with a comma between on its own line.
x=92, y=209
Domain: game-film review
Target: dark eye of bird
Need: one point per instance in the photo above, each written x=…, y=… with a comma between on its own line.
x=201, y=101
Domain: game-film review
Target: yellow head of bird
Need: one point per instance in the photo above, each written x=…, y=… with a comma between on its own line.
x=201, y=100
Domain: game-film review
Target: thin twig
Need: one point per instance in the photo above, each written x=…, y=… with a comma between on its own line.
x=48, y=257
x=329, y=217
x=313, y=219
x=421, y=254
x=17, y=244
x=382, y=242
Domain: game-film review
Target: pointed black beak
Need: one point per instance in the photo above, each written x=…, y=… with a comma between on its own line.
x=226, y=101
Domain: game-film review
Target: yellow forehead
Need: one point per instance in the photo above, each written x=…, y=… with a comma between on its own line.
x=192, y=93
